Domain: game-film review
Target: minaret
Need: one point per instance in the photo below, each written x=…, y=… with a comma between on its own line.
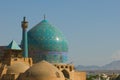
x=24, y=38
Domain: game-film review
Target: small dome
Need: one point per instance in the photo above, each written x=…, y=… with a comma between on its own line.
x=46, y=37
x=42, y=71
x=17, y=68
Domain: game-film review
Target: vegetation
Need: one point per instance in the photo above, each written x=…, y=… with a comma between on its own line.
x=103, y=77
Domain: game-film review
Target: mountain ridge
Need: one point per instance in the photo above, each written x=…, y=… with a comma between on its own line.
x=114, y=65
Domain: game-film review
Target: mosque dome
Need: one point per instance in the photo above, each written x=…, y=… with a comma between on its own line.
x=42, y=71
x=46, y=37
x=46, y=42
x=17, y=68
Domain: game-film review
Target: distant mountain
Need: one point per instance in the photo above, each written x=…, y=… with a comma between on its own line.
x=115, y=65
x=81, y=67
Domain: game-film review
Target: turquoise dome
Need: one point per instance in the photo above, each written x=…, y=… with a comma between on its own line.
x=44, y=38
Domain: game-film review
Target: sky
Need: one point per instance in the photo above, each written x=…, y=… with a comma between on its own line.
x=92, y=27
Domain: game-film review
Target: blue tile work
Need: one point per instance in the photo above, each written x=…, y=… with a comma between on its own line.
x=13, y=46
x=47, y=42
x=53, y=57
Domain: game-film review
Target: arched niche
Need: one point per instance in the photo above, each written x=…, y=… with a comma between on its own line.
x=66, y=74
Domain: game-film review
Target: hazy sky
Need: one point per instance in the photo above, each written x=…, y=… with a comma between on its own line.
x=92, y=27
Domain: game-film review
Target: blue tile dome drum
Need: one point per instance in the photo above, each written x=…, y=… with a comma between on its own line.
x=46, y=42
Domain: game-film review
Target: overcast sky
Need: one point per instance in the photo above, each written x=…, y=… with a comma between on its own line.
x=92, y=27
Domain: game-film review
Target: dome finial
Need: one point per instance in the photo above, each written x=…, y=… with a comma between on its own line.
x=44, y=16
x=24, y=18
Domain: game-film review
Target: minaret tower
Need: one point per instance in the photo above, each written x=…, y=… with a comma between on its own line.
x=24, y=38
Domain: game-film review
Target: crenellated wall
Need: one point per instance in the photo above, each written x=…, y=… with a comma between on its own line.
x=70, y=73
x=28, y=61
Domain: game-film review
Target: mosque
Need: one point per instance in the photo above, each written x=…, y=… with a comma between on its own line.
x=42, y=55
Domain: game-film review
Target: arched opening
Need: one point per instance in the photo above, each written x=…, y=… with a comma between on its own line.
x=66, y=74
x=70, y=68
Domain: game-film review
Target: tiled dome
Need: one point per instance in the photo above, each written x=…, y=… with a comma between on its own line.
x=46, y=42
x=46, y=37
